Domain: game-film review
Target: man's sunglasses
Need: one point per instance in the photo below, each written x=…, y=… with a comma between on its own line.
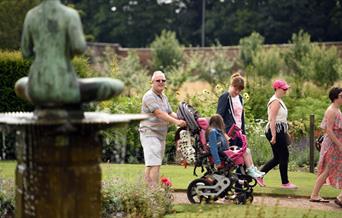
x=160, y=80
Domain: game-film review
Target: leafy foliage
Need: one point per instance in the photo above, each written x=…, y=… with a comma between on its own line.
x=249, y=46
x=327, y=66
x=217, y=67
x=119, y=199
x=13, y=67
x=6, y=198
x=306, y=60
x=297, y=57
x=268, y=62
x=166, y=51
x=134, y=200
x=130, y=71
x=12, y=14
x=135, y=23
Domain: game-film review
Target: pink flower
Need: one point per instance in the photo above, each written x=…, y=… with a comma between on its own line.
x=165, y=181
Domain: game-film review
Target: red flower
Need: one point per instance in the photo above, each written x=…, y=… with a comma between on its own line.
x=165, y=181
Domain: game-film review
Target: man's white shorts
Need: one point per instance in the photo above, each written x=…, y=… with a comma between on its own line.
x=154, y=149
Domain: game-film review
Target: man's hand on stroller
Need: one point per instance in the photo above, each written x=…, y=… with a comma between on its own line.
x=181, y=123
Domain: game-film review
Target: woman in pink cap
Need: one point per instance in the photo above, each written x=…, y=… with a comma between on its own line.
x=277, y=133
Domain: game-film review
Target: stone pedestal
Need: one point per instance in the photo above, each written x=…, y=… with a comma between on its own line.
x=58, y=173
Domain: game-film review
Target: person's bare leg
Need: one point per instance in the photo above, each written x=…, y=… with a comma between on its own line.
x=154, y=176
x=147, y=176
x=340, y=196
x=319, y=183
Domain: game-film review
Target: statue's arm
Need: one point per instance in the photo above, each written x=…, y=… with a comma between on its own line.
x=26, y=39
x=76, y=36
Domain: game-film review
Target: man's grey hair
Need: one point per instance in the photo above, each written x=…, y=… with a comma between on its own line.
x=157, y=73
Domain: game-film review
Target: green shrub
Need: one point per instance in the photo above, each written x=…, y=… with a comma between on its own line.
x=206, y=102
x=119, y=197
x=195, y=64
x=166, y=51
x=122, y=198
x=309, y=61
x=13, y=67
x=259, y=91
x=82, y=68
x=257, y=142
x=11, y=28
x=102, y=62
x=217, y=67
x=327, y=66
x=249, y=46
x=299, y=153
x=130, y=71
x=296, y=57
x=268, y=62
x=176, y=76
x=6, y=198
x=301, y=109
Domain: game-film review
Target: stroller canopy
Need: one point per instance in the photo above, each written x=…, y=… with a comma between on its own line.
x=190, y=115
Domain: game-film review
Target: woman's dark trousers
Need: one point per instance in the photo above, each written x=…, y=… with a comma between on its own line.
x=280, y=155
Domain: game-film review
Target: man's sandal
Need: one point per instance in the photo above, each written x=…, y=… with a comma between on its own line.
x=338, y=202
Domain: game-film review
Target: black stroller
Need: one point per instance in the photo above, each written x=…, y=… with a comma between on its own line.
x=213, y=184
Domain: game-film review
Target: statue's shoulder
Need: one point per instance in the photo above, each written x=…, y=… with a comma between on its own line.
x=32, y=12
x=70, y=11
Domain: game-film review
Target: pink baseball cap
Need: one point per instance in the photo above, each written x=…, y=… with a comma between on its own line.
x=280, y=84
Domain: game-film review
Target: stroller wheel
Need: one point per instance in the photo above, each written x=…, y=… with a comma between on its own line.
x=249, y=199
x=241, y=198
x=195, y=197
x=244, y=198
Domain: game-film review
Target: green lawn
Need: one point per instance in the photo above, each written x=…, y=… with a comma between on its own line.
x=257, y=211
x=181, y=177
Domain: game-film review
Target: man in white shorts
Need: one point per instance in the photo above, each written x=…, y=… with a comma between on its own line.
x=154, y=130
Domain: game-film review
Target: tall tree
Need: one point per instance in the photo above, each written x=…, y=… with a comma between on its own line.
x=133, y=23
x=12, y=14
x=136, y=23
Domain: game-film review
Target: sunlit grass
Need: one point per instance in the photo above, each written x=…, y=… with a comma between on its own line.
x=181, y=177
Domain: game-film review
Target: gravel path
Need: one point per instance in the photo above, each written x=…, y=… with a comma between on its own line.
x=181, y=198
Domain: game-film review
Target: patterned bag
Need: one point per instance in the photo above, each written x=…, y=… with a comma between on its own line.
x=186, y=148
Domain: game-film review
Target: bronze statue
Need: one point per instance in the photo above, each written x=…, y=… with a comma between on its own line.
x=52, y=35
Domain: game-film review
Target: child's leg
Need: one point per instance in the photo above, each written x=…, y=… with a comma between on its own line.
x=247, y=157
x=253, y=171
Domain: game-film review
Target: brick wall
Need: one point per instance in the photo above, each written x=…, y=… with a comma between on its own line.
x=98, y=49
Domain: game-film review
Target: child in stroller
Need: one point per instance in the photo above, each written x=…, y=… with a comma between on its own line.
x=220, y=181
x=219, y=146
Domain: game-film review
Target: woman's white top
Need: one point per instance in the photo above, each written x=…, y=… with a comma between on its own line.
x=281, y=117
x=237, y=110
